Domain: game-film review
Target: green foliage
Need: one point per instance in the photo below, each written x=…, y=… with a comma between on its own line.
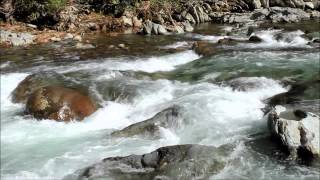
x=38, y=11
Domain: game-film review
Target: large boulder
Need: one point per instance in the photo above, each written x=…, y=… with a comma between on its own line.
x=296, y=131
x=172, y=162
x=59, y=103
x=38, y=80
x=168, y=118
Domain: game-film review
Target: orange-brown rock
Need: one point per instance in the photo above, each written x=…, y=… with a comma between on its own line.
x=204, y=48
x=59, y=103
x=35, y=81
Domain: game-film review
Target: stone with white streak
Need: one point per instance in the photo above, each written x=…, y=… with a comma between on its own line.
x=296, y=131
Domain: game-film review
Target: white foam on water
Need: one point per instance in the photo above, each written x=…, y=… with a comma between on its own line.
x=285, y=40
x=215, y=115
x=4, y=65
x=210, y=38
x=177, y=45
x=150, y=64
x=211, y=76
x=244, y=163
x=8, y=84
x=219, y=115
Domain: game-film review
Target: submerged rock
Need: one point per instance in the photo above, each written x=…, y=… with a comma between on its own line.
x=296, y=131
x=228, y=41
x=255, y=39
x=172, y=162
x=59, y=103
x=168, y=118
x=250, y=83
x=35, y=81
x=80, y=45
x=204, y=48
x=294, y=94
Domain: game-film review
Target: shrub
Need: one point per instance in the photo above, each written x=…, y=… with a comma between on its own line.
x=39, y=12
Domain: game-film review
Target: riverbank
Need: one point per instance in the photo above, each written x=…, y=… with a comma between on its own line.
x=77, y=19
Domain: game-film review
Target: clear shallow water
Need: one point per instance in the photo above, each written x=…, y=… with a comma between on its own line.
x=214, y=114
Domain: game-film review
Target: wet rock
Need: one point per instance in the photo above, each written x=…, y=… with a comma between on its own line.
x=296, y=131
x=59, y=103
x=168, y=118
x=306, y=106
x=256, y=39
x=204, y=48
x=187, y=161
x=118, y=90
x=38, y=80
x=287, y=97
x=316, y=40
x=228, y=41
x=249, y=83
x=295, y=93
x=16, y=39
x=80, y=45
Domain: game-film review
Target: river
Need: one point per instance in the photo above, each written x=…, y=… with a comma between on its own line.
x=156, y=72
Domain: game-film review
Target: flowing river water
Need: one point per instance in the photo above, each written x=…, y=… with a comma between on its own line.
x=134, y=84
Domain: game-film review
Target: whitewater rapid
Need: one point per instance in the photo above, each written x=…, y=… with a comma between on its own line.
x=213, y=114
